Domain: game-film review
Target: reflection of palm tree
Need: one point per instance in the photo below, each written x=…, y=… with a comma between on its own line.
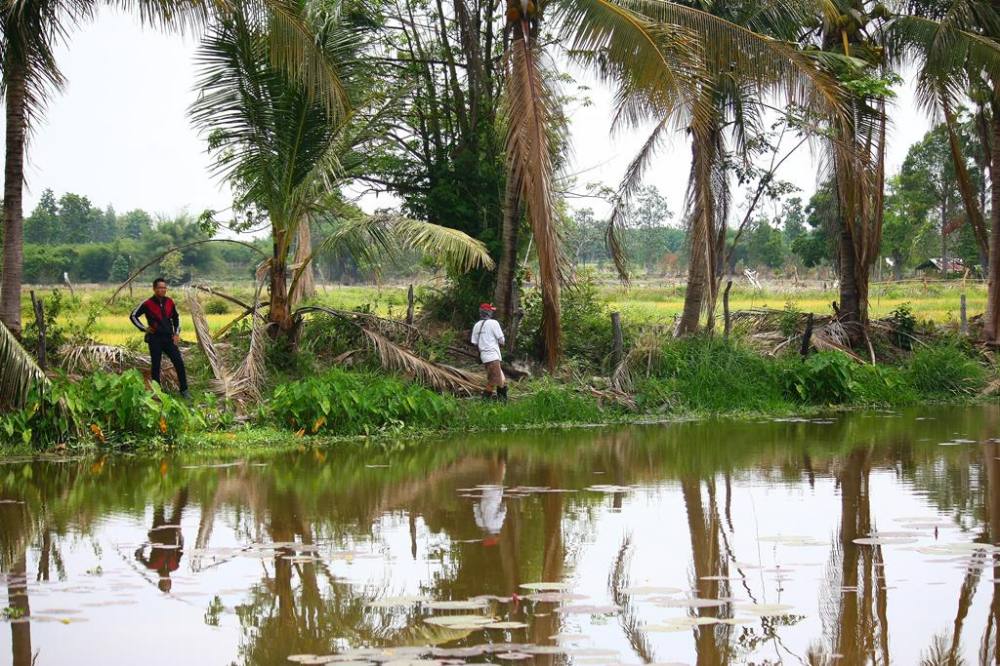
x=861, y=631
x=17, y=599
x=710, y=568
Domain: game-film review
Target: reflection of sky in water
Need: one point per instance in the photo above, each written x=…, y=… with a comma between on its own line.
x=143, y=625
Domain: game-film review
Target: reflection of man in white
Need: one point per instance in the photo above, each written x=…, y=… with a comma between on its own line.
x=490, y=511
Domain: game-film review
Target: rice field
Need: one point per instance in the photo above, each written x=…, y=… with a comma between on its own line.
x=646, y=302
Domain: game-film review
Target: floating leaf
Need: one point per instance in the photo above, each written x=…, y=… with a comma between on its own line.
x=765, y=610
x=505, y=625
x=397, y=602
x=453, y=620
x=468, y=604
x=546, y=587
x=691, y=602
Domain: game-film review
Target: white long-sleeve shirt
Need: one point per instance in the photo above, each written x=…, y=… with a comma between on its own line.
x=488, y=337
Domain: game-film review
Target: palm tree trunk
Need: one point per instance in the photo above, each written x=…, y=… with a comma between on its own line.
x=700, y=264
x=280, y=312
x=503, y=294
x=13, y=217
x=305, y=287
x=972, y=209
x=991, y=327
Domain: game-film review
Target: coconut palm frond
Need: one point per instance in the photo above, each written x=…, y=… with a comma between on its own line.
x=97, y=357
x=249, y=377
x=529, y=166
x=18, y=372
x=207, y=344
x=242, y=386
x=435, y=375
x=651, y=64
x=646, y=351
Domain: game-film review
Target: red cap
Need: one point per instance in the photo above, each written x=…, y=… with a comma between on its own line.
x=487, y=306
x=491, y=541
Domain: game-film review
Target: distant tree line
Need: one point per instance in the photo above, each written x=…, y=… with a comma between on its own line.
x=70, y=235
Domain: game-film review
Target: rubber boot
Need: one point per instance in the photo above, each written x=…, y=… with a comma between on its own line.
x=502, y=393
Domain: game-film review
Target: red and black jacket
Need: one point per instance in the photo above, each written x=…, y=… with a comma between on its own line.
x=162, y=319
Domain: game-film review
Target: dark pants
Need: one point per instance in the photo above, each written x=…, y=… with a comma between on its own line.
x=157, y=348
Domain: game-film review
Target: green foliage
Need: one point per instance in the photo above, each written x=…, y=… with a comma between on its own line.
x=109, y=408
x=345, y=403
x=904, y=324
x=945, y=370
x=546, y=401
x=824, y=378
x=586, y=322
x=788, y=322
x=217, y=306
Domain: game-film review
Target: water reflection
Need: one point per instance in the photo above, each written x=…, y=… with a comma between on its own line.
x=717, y=543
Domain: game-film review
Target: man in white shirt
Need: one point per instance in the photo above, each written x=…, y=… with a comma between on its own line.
x=488, y=337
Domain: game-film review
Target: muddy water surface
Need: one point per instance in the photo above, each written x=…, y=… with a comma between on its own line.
x=861, y=538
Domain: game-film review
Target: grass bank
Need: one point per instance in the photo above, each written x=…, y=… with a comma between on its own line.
x=681, y=378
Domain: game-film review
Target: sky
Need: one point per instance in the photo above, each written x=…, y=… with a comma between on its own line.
x=119, y=133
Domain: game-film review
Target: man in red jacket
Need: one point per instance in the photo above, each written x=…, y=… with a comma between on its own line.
x=163, y=332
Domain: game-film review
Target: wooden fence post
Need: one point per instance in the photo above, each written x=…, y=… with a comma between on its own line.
x=409, y=305
x=807, y=336
x=964, y=317
x=618, y=340
x=727, y=322
x=36, y=303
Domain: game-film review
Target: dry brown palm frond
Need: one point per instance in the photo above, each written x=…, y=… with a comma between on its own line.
x=95, y=357
x=639, y=359
x=384, y=325
x=242, y=386
x=435, y=375
x=529, y=167
x=18, y=372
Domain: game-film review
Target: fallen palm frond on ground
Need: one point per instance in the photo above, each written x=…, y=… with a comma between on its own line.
x=18, y=372
x=240, y=386
x=397, y=357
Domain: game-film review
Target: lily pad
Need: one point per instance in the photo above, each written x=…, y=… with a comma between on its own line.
x=546, y=587
x=468, y=604
x=505, y=625
x=460, y=620
x=765, y=610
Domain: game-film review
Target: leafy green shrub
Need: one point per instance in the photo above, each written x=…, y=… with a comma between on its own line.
x=826, y=377
x=945, y=370
x=712, y=374
x=788, y=320
x=346, y=403
x=107, y=408
x=585, y=318
x=217, y=306
x=904, y=323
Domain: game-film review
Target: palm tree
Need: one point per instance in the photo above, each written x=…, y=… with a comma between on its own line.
x=746, y=56
x=956, y=45
x=30, y=32
x=32, y=28
x=284, y=150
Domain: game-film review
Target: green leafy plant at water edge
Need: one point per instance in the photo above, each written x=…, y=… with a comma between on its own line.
x=106, y=408
x=824, y=378
x=945, y=370
x=341, y=402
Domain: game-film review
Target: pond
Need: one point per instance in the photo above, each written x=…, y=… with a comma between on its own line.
x=856, y=538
